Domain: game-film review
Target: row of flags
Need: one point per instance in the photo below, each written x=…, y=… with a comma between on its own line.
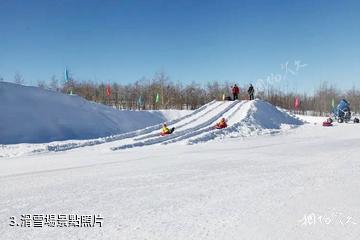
x=108, y=89
x=139, y=101
x=157, y=97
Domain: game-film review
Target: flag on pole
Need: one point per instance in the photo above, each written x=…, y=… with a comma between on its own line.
x=157, y=99
x=108, y=90
x=296, y=103
x=139, y=101
x=223, y=97
x=333, y=102
x=66, y=75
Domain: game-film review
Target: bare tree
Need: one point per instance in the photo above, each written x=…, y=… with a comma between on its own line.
x=353, y=95
x=54, y=83
x=18, y=79
x=42, y=84
x=69, y=83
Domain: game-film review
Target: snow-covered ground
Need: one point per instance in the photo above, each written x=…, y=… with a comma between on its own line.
x=266, y=176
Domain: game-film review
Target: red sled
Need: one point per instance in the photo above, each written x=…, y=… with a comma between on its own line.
x=171, y=131
x=219, y=127
x=327, y=124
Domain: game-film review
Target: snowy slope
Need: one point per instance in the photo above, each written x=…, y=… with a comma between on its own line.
x=34, y=115
x=245, y=118
x=251, y=118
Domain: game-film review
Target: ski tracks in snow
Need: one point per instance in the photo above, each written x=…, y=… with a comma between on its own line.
x=209, y=130
x=194, y=127
x=185, y=122
x=85, y=143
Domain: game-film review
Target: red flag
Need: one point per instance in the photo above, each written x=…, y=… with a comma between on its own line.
x=108, y=90
x=296, y=103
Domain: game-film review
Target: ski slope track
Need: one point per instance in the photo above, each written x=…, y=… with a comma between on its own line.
x=245, y=118
x=141, y=132
x=229, y=115
x=253, y=118
x=146, y=133
x=185, y=122
x=182, y=129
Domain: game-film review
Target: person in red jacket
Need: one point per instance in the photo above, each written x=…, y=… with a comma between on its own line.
x=221, y=124
x=235, y=91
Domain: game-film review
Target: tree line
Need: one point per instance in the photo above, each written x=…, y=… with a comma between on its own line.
x=160, y=92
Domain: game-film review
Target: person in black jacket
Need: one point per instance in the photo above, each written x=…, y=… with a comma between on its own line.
x=251, y=92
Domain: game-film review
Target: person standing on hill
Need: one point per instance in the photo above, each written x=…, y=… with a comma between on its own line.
x=235, y=91
x=251, y=92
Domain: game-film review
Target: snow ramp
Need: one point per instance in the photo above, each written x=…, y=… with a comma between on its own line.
x=245, y=118
x=254, y=118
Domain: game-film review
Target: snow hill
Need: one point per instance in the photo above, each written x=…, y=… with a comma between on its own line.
x=34, y=115
x=244, y=118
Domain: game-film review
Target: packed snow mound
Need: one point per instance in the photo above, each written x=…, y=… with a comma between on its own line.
x=255, y=117
x=35, y=115
x=244, y=118
x=266, y=116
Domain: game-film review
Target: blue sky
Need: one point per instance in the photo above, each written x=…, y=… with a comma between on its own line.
x=236, y=41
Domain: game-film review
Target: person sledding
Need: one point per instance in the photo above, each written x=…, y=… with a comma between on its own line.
x=328, y=122
x=221, y=124
x=165, y=130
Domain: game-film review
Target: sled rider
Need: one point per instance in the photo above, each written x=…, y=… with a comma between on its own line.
x=165, y=129
x=221, y=124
